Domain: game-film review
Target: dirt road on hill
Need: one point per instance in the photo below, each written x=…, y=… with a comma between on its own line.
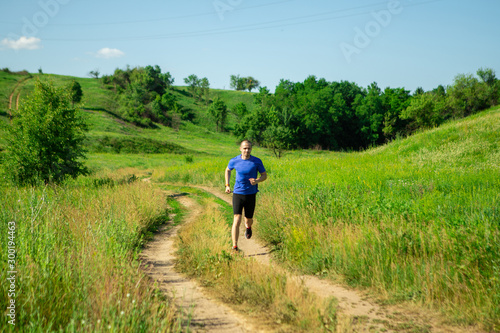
x=358, y=312
x=11, y=97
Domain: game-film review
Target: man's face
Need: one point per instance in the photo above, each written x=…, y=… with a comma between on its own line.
x=245, y=149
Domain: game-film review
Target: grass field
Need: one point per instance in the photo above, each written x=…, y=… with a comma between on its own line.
x=76, y=263
x=416, y=220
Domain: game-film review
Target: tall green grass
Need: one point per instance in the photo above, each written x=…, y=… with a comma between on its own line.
x=417, y=220
x=77, y=261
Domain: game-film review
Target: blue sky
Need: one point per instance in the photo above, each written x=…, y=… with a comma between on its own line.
x=406, y=43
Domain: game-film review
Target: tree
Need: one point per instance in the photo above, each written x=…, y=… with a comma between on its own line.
x=45, y=141
x=193, y=83
x=262, y=96
x=240, y=110
x=251, y=83
x=467, y=95
x=243, y=83
x=237, y=82
x=218, y=110
x=278, y=139
x=205, y=89
x=419, y=91
x=394, y=102
x=370, y=111
x=425, y=111
x=439, y=90
x=278, y=136
x=199, y=88
x=154, y=80
x=76, y=92
x=487, y=75
x=94, y=74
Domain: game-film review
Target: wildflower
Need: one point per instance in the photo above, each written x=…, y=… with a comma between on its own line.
x=122, y=313
x=128, y=295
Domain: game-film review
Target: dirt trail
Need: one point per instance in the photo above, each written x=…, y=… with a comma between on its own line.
x=355, y=306
x=201, y=312
x=359, y=313
x=11, y=97
x=350, y=301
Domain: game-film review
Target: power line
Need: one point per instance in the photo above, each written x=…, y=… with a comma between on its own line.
x=248, y=27
x=211, y=13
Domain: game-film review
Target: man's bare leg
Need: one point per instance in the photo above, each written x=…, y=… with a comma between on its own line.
x=235, y=231
x=248, y=222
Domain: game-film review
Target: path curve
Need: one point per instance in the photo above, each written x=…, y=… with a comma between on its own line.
x=11, y=96
x=351, y=302
x=199, y=311
x=358, y=312
x=355, y=306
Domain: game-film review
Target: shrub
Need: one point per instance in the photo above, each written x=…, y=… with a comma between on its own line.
x=45, y=139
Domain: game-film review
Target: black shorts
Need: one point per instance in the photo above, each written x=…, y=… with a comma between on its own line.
x=246, y=201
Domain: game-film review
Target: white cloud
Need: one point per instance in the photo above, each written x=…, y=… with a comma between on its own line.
x=108, y=53
x=23, y=43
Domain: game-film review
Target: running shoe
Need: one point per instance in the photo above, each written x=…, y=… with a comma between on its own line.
x=248, y=233
x=235, y=248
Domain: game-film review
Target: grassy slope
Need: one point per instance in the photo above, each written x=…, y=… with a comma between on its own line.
x=416, y=220
x=99, y=105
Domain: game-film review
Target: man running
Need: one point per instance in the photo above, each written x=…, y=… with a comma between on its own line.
x=245, y=188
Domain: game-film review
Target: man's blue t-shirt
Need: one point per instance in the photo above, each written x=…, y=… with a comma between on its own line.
x=246, y=169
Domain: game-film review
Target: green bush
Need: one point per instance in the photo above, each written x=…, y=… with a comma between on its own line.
x=45, y=138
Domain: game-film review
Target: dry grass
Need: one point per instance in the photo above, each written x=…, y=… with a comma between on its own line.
x=77, y=249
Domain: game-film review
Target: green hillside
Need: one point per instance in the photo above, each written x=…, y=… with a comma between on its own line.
x=416, y=220
x=110, y=133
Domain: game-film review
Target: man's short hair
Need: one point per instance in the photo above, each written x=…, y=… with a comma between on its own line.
x=247, y=141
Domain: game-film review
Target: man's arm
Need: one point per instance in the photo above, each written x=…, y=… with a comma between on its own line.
x=227, y=178
x=263, y=176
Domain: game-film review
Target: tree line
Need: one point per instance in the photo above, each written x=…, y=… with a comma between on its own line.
x=310, y=114
x=344, y=116
x=314, y=113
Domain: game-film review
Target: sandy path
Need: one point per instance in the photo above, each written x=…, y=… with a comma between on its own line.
x=199, y=311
